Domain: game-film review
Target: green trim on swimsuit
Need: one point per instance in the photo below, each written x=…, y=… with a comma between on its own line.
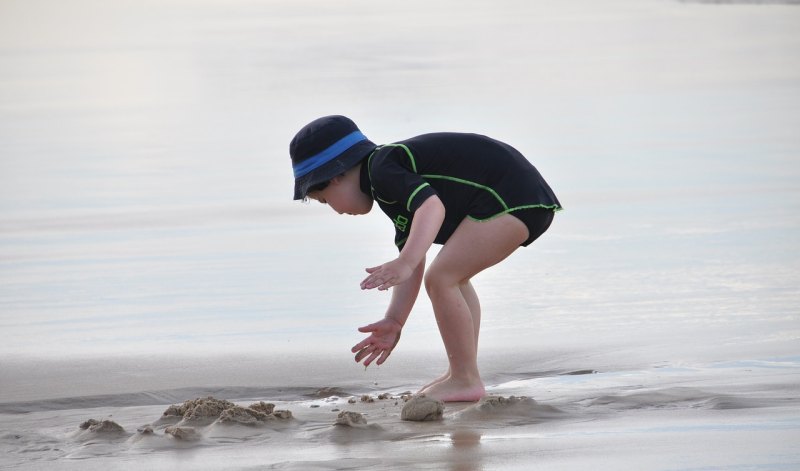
x=476, y=185
x=369, y=164
x=413, y=194
x=556, y=208
x=410, y=155
x=383, y=200
x=369, y=172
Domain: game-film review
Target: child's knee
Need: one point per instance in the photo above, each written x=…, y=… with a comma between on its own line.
x=430, y=280
x=436, y=280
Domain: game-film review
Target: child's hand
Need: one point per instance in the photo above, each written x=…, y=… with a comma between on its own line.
x=387, y=275
x=385, y=335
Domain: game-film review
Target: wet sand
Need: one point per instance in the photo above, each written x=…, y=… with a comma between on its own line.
x=716, y=416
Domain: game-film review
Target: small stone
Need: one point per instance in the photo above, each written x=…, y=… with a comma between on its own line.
x=367, y=398
x=282, y=414
x=352, y=400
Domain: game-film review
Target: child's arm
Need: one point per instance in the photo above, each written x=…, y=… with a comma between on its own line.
x=426, y=224
x=405, y=274
x=386, y=332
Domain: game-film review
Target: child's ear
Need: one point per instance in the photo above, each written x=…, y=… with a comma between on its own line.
x=335, y=180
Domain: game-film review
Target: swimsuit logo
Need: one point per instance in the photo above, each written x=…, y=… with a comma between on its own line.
x=401, y=222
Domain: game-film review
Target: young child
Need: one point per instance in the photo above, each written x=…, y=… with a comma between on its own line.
x=478, y=197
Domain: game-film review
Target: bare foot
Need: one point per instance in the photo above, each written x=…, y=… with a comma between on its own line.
x=435, y=381
x=453, y=390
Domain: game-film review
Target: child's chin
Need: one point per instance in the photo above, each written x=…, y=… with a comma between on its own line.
x=362, y=210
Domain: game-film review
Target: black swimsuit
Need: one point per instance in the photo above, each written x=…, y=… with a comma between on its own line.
x=474, y=176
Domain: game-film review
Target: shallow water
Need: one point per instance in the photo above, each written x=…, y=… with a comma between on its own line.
x=149, y=250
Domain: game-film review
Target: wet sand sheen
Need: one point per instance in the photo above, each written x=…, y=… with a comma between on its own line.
x=327, y=427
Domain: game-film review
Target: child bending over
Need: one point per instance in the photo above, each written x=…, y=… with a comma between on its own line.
x=478, y=197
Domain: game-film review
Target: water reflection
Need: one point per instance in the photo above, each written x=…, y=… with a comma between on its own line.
x=465, y=447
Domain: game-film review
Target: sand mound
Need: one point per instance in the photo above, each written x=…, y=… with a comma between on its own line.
x=197, y=410
x=183, y=433
x=208, y=410
x=351, y=419
x=523, y=409
x=242, y=416
x=265, y=407
x=421, y=408
x=494, y=403
x=102, y=427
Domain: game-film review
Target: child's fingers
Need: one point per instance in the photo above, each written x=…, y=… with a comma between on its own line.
x=367, y=283
x=371, y=270
x=368, y=328
x=375, y=278
x=383, y=357
x=360, y=345
x=372, y=357
x=361, y=354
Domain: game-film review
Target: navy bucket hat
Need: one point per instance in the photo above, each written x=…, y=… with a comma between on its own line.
x=325, y=148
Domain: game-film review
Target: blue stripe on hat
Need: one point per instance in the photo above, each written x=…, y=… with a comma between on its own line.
x=333, y=151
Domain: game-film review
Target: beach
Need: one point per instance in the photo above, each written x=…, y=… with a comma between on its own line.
x=725, y=415
x=150, y=252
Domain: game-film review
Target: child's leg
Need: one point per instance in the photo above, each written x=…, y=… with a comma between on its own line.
x=473, y=247
x=475, y=312
x=474, y=304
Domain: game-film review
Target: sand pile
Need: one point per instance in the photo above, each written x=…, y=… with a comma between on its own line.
x=209, y=410
x=182, y=433
x=422, y=408
x=102, y=427
x=351, y=419
x=515, y=410
x=191, y=421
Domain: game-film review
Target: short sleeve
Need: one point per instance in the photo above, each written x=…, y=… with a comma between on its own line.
x=395, y=181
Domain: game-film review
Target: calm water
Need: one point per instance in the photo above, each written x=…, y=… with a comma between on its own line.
x=145, y=186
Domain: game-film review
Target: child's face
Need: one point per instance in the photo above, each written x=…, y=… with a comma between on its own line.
x=344, y=195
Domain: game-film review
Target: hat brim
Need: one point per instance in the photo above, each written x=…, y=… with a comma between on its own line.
x=337, y=166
